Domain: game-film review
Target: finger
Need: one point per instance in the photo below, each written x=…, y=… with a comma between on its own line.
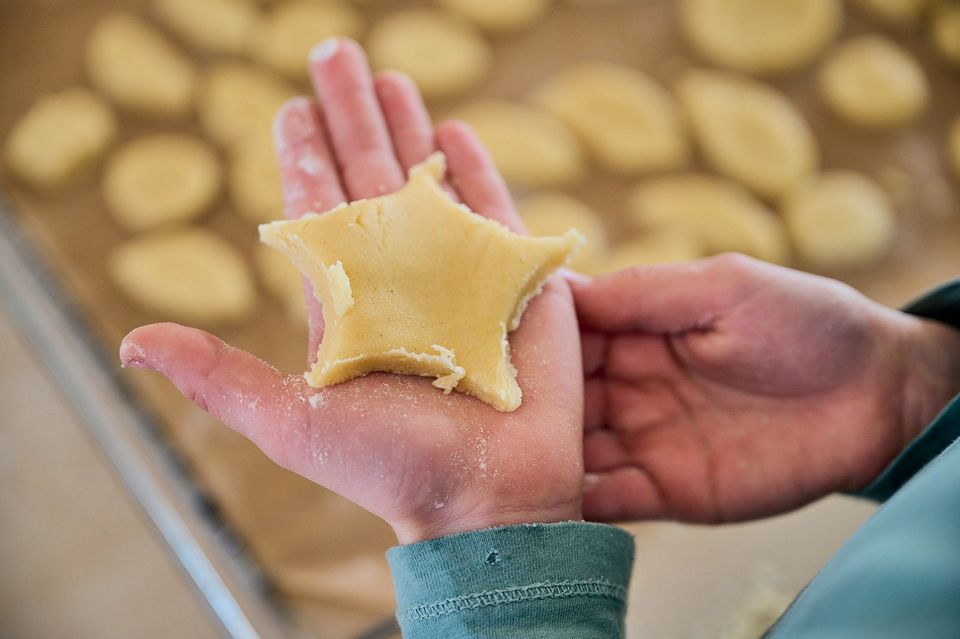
x=407, y=120
x=361, y=142
x=624, y=494
x=474, y=175
x=594, y=404
x=602, y=451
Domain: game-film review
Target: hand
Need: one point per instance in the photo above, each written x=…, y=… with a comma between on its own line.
x=429, y=464
x=729, y=389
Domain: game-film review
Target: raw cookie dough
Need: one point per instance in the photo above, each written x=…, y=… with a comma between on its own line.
x=953, y=142
x=896, y=13
x=499, y=16
x=160, y=179
x=945, y=30
x=840, y=219
x=660, y=246
x=761, y=36
x=720, y=213
x=414, y=283
x=284, y=38
x=192, y=275
x=626, y=119
x=749, y=131
x=138, y=68
x=554, y=213
x=443, y=53
x=253, y=178
x=237, y=100
x=528, y=144
x=871, y=82
x=282, y=279
x=60, y=138
x=219, y=26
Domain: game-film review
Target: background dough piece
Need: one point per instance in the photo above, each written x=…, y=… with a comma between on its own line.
x=443, y=53
x=138, y=68
x=284, y=38
x=189, y=274
x=841, y=219
x=897, y=13
x=953, y=143
x=554, y=213
x=159, y=179
x=871, y=82
x=499, y=16
x=761, y=36
x=625, y=118
x=945, y=30
x=238, y=100
x=282, y=279
x=667, y=245
x=721, y=214
x=253, y=179
x=528, y=144
x=749, y=131
x=220, y=26
x=61, y=137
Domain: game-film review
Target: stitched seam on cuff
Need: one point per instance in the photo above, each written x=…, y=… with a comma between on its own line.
x=544, y=590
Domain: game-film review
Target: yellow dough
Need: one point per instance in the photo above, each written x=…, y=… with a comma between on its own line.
x=897, y=13
x=192, y=275
x=283, y=281
x=60, y=138
x=721, y=214
x=749, y=131
x=529, y=145
x=871, y=82
x=253, y=179
x=220, y=26
x=555, y=213
x=138, y=68
x=284, y=38
x=626, y=119
x=160, y=179
x=499, y=16
x=945, y=30
x=667, y=245
x=761, y=36
x=238, y=100
x=841, y=219
x=443, y=53
x=414, y=283
x=953, y=142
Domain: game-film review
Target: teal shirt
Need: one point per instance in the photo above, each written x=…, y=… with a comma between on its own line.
x=898, y=576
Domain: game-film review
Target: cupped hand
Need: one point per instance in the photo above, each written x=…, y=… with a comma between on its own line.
x=429, y=464
x=728, y=389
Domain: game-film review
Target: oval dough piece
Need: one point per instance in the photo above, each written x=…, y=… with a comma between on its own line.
x=528, y=144
x=253, y=179
x=192, y=275
x=159, y=179
x=238, y=100
x=945, y=31
x=499, y=16
x=871, y=82
x=749, y=131
x=625, y=118
x=284, y=38
x=220, y=26
x=282, y=279
x=60, y=138
x=443, y=53
x=138, y=68
x=841, y=219
x=555, y=213
x=659, y=246
x=761, y=36
x=897, y=13
x=953, y=142
x=720, y=213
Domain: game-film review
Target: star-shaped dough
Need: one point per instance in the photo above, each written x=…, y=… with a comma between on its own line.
x=415, y=283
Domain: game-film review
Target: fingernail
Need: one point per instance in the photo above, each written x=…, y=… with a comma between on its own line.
x=296, y=105
x=575, y=277
x=589, y=481
x=132, y=355
x=324, y=50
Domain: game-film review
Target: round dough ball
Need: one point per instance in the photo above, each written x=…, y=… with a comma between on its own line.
x=254, y=179
x=443, y=54
x=659, y=246
x=953, y=142
x=555, y=213
x=237, y=100
x=219, y=26
x=945, y=31
x=871, y=82
x=720, y=213
x=626, y=119
x=749, y=131
x=192, y=275
x=283, y=40
x=282, y=279
x=897, y=13
x=841, y=219
x=529, y=145
x=60, y=138
x=138, y=68
x=761, y=36
x=499, y=16
x=159, y=179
